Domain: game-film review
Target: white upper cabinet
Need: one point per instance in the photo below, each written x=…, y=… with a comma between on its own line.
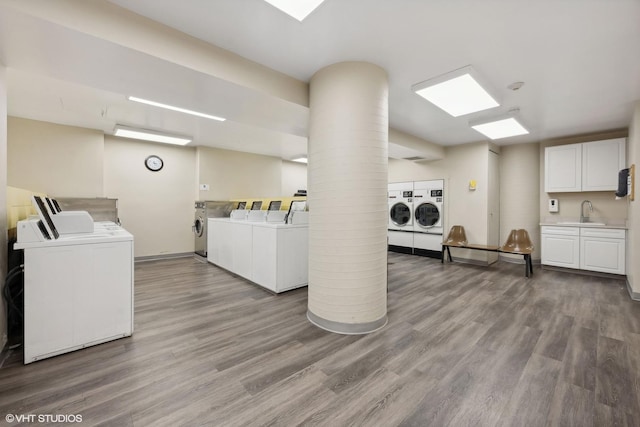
x=601, y=162
x=590, y=166
x=563, y=168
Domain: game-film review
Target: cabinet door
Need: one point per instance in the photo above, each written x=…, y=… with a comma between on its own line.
x=560, y=250
x=294, y=267
x=601, y=162
x=242, y=253
x=602, y=254
x=563, y=168
x=76, y=295
x=265, y=257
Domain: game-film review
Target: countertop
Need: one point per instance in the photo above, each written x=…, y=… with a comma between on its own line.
x=593, y=223
x=259, y=223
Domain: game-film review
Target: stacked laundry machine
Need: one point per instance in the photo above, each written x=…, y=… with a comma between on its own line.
x=401, y=217
x=416, y=217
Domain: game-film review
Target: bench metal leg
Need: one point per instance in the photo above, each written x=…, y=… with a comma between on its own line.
x=448, y=253
x=528, y=265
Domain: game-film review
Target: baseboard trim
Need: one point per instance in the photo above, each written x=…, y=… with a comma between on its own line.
x=347, y=328
x=517, y=260
x=163, y=256
x=400, y=249
x=469, y=261
x=584, y=272
x=427, y=253
x=633, y=295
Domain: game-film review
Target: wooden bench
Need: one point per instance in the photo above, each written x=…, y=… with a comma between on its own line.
x=517, y=243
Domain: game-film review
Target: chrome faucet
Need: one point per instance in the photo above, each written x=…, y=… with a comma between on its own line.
x=584, y=218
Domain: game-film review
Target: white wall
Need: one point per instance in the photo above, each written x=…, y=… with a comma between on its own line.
x=111, y=22
x=233, y=174
x=462, y=206
x=520, y=192
x=633, y=242
x=156, y=207
x=62, y=161
x=604, y=204
x=3, y=200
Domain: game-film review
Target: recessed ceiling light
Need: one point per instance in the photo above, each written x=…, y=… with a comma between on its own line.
x=301, y=159
x=298, y=9
x=174, y=108
x=150, y=135
x=500, y=127
x=515, y=86
x=457, y=92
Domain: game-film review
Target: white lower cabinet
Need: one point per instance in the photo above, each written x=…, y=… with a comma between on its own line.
x=560, y=246
x=593, y=249
x=602, y=250
x=272, y=255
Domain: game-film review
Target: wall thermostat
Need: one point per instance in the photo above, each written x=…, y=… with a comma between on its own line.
x=553, y=205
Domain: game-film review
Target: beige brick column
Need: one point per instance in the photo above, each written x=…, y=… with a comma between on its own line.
x=347, y=184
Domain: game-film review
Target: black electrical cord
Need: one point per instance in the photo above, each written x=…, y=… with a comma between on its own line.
x=9, y=294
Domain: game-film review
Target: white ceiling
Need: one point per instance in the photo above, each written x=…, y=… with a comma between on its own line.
x=578, y=58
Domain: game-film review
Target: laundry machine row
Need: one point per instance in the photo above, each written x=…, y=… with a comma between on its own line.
x=416, y=217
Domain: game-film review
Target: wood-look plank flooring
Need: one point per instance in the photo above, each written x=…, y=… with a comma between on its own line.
x=465, y=345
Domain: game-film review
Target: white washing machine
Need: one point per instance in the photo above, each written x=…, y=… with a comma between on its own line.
x=401, y=217
x=428, y=217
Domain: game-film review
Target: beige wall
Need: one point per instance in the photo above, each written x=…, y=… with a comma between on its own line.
x=232, y=174
x=428, y=150
x=61, y=161
x=462, y=206
x=633, y=242
x=156, y=207
x=3, y=200
x=520, y=192
x=604, y=204
x=294, y=178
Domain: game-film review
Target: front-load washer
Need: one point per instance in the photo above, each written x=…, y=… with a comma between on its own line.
x=204, y=210
x=401, y=217
x=428, y=217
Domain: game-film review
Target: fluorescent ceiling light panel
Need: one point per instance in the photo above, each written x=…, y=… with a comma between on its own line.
x=501, y=128
x=150, y=135
x=458, y=92
x=298, y=9
x=174, y=108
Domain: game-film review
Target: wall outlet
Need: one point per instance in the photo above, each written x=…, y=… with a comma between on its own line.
x=553, y=205
x=204, y=187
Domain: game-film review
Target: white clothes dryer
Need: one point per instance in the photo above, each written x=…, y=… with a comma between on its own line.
x=428, y=218
x=401, y=217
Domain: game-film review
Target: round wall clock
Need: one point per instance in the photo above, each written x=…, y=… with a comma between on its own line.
x=153, y=163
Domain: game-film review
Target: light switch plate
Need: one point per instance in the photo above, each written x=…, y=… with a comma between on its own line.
x=204, y=187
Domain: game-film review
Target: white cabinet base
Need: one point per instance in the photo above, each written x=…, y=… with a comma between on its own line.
x=76, y=296
x=602, y=250
x=591, y=249
x=274, y=256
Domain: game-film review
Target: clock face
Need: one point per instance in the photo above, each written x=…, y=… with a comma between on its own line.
x=153, y=163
